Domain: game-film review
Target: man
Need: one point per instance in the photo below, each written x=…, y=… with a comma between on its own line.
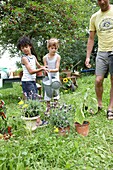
x=102, y=23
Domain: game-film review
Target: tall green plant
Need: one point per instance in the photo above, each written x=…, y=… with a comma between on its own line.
x=87, y=106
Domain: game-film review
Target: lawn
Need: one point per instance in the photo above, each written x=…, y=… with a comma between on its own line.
x=44, y=149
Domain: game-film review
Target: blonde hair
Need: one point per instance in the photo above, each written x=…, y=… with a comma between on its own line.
x=53, y=42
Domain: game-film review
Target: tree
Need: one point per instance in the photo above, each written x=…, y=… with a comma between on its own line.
x=67, y=20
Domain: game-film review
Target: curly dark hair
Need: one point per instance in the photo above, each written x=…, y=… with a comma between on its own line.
x=24, y=41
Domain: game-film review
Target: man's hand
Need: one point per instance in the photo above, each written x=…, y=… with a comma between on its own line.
x=87, y=63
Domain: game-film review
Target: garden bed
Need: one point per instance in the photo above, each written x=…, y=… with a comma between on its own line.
x=44, y=149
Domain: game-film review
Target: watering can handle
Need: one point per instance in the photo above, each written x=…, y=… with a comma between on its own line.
x=49, y=76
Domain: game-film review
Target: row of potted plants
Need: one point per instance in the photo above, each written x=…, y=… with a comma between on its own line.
x=61, y=118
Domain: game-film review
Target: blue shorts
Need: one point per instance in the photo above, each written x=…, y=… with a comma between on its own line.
x=29, y=89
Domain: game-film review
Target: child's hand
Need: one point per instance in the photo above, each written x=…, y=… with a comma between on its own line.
x=45, y=71
x=46, y=66
x=48, y=70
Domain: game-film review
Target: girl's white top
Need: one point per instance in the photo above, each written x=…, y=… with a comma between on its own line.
x=26, y=75
x=51, y=63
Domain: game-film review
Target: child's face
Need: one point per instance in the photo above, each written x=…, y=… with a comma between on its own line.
x=52, y=50
x=26, y=49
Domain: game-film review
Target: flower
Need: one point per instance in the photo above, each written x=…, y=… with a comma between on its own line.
x=67, y=83
x=56, y=129
x=31, y=108
x=25, y=106
x=65, y=80
x=60, y=117
x=21, y=102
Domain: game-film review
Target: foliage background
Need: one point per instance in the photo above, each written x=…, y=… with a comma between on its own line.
x=68, y=20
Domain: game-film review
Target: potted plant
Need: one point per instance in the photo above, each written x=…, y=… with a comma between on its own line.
x=5, y=130
x=62, y=75
x=67, y=84
x=18, y=72
x=81, y=124
x=60, y=119
x=83, y=110
x=31, y=110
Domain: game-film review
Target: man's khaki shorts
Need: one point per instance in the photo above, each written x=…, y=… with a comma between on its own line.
x=104, y=63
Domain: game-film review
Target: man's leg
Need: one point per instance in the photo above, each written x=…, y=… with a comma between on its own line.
x=99, y=89
x=101, y=69
x=110, y=107
x=111, y=95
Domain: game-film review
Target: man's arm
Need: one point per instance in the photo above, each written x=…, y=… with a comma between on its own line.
x=90, y=45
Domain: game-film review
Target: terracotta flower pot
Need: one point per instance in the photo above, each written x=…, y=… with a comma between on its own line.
x=82, y=129
x=64, y=130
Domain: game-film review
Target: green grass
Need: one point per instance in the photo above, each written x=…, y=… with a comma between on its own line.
x=46, y=150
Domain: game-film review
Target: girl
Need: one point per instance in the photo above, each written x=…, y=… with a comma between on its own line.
x=52, y=62
x=29, y=63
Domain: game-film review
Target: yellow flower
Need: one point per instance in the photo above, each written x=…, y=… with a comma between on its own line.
x=21, y=102
x=56, y=130
x=25, y=106
x=65, y=80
